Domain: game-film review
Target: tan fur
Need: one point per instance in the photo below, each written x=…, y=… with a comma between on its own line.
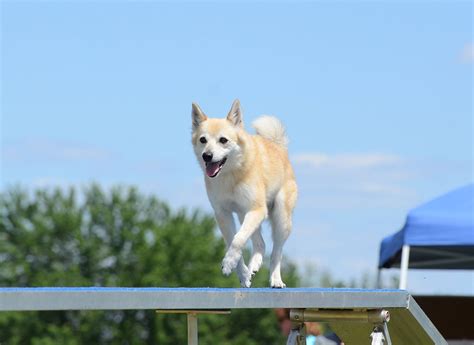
x=255, y=182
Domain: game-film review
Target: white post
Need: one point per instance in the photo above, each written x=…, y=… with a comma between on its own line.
x=192, y=329
x=378, y=283
x=404, y=266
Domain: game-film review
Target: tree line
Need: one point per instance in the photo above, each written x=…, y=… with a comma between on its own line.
x=122, y=237
x=118, y=237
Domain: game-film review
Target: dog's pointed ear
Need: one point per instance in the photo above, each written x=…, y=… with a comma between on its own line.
x=235, y=114
x=198, y=116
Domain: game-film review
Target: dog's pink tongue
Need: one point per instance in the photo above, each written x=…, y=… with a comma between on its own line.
x=212, y=169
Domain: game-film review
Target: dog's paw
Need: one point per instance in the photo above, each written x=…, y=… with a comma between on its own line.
x=255, y=263
x=230, y=262
x=245, y=283
x=227, y=266
x=245, y=276
x=277, y=284
x=226, y=270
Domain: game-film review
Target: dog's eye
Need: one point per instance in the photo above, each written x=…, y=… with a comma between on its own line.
x=223, y=140
x=203, y=140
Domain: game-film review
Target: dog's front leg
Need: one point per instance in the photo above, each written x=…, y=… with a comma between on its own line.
x=252, y=220
x=227, y=226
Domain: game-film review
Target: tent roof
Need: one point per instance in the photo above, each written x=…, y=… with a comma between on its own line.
x=439, y=232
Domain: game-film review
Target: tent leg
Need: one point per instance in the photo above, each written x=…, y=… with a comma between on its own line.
x=404, y=266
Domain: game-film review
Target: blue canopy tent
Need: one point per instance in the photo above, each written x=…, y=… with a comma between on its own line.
x=437, y=235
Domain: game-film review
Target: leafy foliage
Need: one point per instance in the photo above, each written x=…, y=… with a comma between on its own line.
x=116, y=238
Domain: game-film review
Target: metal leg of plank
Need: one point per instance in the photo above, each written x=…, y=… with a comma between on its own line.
x=192, y=329
x=193, y=320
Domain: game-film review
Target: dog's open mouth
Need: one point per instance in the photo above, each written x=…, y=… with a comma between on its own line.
x=213, y=168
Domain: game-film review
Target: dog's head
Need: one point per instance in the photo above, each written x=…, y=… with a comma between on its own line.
x=218, y=142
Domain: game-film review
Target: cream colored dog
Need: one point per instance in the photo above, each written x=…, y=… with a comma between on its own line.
x=249, y=175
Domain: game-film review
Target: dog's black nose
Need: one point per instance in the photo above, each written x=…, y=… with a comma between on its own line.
x=207, y=157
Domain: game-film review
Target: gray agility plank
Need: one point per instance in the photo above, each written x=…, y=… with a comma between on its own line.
x=101, y=298
x=408, y=324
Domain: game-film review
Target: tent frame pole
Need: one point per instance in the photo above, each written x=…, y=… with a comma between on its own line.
x=404, y=267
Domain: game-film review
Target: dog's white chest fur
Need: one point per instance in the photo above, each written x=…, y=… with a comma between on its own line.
x=224, y=194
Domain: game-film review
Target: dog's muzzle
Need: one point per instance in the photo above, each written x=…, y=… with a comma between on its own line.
x=213, y=168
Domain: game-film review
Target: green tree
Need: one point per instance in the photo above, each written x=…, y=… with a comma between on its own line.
x=52, y=237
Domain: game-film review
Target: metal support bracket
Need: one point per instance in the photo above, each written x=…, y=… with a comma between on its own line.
x=192, y=315
x=378, y=317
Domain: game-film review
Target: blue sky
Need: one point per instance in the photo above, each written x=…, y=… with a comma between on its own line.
x=376, y=97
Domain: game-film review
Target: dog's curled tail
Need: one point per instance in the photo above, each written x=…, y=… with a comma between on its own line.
x=272, y=129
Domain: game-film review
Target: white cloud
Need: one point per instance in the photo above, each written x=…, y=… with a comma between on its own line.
x=353, y=180
x=346, y=161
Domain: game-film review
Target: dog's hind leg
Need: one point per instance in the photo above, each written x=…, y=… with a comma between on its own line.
x=280, y=218
x=258, y=251
x=226, y=223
